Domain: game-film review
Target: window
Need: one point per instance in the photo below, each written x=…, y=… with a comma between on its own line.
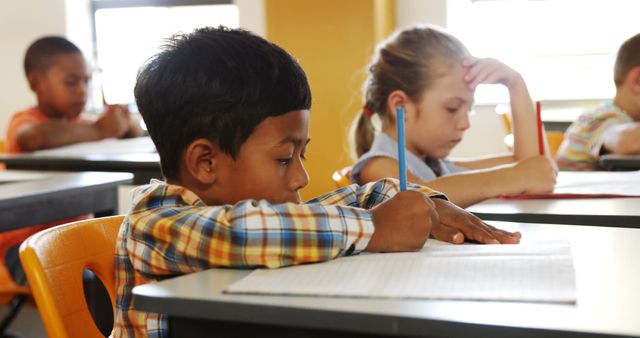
x=127, y=33
x=565, y=49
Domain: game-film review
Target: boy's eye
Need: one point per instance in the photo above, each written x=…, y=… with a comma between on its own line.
x=285, y=161
x=452, y=109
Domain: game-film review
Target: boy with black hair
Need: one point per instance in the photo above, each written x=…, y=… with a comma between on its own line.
x=58, y=75
x=612, y=128
x=229, y=114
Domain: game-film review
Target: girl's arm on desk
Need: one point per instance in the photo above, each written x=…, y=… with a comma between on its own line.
x=467, y=188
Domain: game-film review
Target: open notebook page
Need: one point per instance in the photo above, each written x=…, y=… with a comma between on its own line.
x=533, y=272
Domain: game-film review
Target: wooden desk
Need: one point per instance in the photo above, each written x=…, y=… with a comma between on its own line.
x=607, y=279
x=620, y=162
x=59, y=196
x=144, y=166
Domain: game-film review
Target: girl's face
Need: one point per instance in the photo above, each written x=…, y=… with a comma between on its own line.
x=440, y=119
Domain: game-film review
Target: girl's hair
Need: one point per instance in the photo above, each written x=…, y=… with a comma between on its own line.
x=410, y=60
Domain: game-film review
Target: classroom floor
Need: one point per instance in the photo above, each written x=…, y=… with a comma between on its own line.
x=28, y=323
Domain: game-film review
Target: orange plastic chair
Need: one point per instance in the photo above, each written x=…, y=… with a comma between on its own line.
x=341, y=177
x=3, y=149
x=554, y=140
x=54, y=261
x=554, y=137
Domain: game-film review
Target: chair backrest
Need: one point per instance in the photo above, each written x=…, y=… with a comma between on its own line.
x=341, y=177
x=3, y=149
x=554, y=140
x=54, y=261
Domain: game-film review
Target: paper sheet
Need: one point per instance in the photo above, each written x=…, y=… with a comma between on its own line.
x=106, y=146
x=540, y=272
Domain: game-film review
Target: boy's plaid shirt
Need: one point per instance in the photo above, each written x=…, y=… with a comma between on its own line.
x=170, y=232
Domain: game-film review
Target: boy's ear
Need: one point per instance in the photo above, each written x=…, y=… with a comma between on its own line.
x=633, y=79
x=200, y=161
x=34, y=79
x=400, y=98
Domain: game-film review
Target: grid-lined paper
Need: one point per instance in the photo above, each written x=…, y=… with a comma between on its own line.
x=533, y=272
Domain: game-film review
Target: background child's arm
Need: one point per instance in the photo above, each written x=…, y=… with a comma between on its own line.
x=531, y=176
x=484, y=161
x=622, y=139
x=133, y=125
x=57, y=133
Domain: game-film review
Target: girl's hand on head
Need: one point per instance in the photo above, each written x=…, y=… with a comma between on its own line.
x=489, y=71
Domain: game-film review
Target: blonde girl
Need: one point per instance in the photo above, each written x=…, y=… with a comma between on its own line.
x=433, y=77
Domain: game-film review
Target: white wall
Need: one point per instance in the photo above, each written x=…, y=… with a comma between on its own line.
x=409, y=12
x=22, y=22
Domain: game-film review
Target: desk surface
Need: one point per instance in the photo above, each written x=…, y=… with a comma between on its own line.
x=612, y=212
x=620, y=162
x=607, y=279
x=58, y=196
x=617, y=212
x=144, y=166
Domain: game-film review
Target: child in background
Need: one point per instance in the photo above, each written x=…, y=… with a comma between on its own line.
x=58, y=75
x=612, y=128
x=433, y=77
x=229, y=114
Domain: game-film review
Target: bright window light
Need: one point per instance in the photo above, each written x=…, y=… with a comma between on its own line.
x=127, y=37
x=565, y=49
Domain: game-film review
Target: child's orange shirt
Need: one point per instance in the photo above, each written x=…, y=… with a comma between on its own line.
x=24, y=118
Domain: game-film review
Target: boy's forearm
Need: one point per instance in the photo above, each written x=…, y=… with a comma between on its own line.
x=52, y=134
x=251, y=234
x=370, y=194
x=623, y=139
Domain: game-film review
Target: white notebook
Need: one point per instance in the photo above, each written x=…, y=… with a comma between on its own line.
x=608, y=182
x=532, y=272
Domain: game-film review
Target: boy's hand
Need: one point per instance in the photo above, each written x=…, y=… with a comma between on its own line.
x=402, y=223
x=457, y=224
x=535, y=175
x=490, y=71
x=114, y=122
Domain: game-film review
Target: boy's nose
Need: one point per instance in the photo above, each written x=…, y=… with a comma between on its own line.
x=82, y=89
x=300, y=177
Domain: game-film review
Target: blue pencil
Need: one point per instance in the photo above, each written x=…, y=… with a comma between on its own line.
x=402, y=163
